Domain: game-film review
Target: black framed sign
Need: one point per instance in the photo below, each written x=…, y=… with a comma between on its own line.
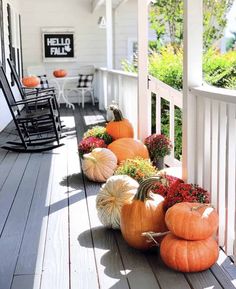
x=58, y=46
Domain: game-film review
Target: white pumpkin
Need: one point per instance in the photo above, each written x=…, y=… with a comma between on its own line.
x=117, y=191
x=99, y=165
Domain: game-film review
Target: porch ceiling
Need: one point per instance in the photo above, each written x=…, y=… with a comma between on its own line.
x=115, y=3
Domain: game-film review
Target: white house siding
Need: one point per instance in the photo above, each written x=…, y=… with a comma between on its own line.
x=5, y=116
x=126, y=30
x=90, y=40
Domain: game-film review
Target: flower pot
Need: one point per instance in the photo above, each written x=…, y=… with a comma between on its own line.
x=159, y=163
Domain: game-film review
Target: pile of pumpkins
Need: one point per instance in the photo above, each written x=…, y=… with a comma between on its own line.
x=185, y=233
x=101, y=163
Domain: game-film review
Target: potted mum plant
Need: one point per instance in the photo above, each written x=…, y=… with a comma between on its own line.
x=158, y=146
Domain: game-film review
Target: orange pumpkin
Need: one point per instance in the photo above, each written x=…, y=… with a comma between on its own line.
x=119, y=127
x=192, y=221
x=144, y=213
x=188, y=256
x=31, y=81
x=128, y=148
x=60, y=73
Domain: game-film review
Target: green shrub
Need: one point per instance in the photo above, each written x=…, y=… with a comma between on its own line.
x=218, y=69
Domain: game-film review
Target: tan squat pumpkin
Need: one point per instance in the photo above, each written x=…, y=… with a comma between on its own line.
x=117, y=191
x=99, y=165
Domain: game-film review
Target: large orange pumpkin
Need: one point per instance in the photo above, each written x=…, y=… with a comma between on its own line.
x=60, y=73
x=31, y=81
x=188, y=256
x=143, y=214
x=192, y=221
x=119, y=127
x=128, y=148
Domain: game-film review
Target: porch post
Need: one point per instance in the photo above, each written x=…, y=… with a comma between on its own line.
x=193, y=50
x=144, y=100
x=109, y=32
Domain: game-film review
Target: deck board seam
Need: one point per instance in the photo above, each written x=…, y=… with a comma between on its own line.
x=9, y=170
x=89, y=217
x=26, y=219
x=47, y=223
x=17, y=189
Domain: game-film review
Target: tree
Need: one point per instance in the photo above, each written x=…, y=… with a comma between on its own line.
x=166, y=18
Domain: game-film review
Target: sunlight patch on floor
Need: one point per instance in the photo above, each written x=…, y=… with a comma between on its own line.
x=94, y=119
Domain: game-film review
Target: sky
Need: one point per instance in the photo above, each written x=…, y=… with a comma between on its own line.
x=231, y=26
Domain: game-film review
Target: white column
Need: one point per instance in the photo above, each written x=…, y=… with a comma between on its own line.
x=144, y=99
x=109, y=31
x=193, y=49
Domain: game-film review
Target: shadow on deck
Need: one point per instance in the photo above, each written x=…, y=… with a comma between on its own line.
x=50, y=236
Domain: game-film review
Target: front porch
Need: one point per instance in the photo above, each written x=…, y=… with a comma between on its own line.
x=51, y=236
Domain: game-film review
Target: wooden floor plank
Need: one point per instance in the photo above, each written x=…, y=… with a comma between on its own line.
x=26, y=281
x=31, y=257
x=10, y=186
x=14, y=229
x=56, y=259
x=167, y=278
x=6, y=166
x=203, y=279
x=82, y=276
x=111, y=271
x=139, y=271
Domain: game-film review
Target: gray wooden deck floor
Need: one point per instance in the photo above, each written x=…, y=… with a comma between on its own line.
x=50, y=236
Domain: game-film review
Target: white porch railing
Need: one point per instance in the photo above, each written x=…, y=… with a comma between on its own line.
x=216, y=156
x=175, y=99
x=121, y=87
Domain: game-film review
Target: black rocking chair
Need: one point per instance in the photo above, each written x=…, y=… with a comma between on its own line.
x=24, y=91
x=28, y=93
x=38, y=129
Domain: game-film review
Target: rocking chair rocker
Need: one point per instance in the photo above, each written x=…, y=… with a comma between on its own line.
x=37, y=129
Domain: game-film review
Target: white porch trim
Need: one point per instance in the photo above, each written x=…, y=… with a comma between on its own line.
x=96, y=4
x=109, y=33
x=193, y=50
x=144, y=99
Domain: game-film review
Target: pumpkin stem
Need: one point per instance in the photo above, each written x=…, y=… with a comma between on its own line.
x=88, y=157
x=145, y=188
x=201, y=206
x=116, y=112
x=151, y=237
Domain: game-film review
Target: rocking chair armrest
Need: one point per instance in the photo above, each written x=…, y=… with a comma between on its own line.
x=33, y=100
x=36, y=91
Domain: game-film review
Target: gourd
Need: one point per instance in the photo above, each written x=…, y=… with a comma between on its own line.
x=60, y=73
x=188, y=256
x=99, y=165
x=117, y=191
x=119, y=127
x=31, y=81
x=143, y=214
x=128, y=148
x=192, y=221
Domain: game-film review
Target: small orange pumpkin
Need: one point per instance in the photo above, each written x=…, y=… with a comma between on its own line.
x=31, y=81
x=192, y=221
x=144, y=213
x=128, y=148
x=119, y=127
x=60, y=73
x=188, y=256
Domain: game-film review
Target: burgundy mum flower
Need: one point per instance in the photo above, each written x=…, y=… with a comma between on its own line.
x=186, y=193
x=90, y=143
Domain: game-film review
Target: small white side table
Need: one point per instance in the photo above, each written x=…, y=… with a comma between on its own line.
x=60, y=83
